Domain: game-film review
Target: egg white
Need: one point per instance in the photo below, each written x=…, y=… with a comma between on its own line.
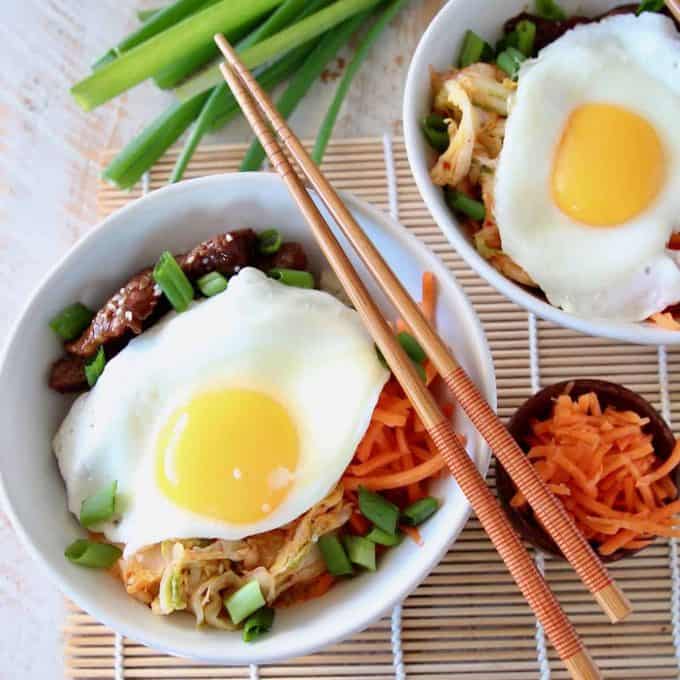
x=619, y=273
x=303, y=348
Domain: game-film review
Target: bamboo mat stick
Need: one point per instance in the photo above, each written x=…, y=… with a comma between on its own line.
x=531, y=583
x=547, y=507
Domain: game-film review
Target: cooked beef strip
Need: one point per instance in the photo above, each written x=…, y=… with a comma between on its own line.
x=547, y=31
x=134, y=303
x=140, y=302
x=289, y=256
x=68, y=374
x=126, y=310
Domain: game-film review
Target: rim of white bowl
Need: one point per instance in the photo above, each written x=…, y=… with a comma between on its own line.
x=416, y=151
x=394, y=593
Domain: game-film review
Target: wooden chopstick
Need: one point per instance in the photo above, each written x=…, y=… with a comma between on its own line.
x=674, y=8
x=532, y=584
x=547, y=507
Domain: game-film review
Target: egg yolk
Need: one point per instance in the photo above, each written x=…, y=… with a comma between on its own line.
x=609, y=165
x=230, y=455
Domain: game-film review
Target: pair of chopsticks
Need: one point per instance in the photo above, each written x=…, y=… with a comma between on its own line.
x=257, y=106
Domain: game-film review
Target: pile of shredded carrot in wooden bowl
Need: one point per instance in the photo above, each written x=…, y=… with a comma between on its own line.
x=396, y=455
x=602, y=466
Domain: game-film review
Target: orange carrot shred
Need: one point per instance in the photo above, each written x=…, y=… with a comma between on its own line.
x=359, y=524
x=429, y=302
x=412, y=533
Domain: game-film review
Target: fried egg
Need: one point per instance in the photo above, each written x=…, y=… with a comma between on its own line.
x=587, y=189
x=228, y=420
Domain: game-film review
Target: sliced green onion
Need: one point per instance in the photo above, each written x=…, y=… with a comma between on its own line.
x=412, y=347
x=378, y=510
x=526, y=37
x=292, y=277
x=474, y=49
x=258, y=624
x=373, y=33
x=212, y=284
x=437, y=137
x=462, y=203
x=650, y=6
x=377, y=535
x=173, y=282
x=269, y=241
x=244, y=601
x=361, y=551
x=99, y=507
x=549, y=9
x=418, y=512
x=172, y=592
x=510, y=61
x=299, y=33
x=72, y=321
x=334, y=555
x=93, y=555
x=298, y=86
x=94, y=367
x=152, y=55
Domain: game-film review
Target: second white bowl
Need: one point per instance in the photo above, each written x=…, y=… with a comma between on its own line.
x=439, y=48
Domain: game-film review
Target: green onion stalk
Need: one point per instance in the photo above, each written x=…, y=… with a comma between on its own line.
x=326, y=128
x=299, y=33
x=220, y=97
x=144, y=150
x=156, y=53
x=299, y=85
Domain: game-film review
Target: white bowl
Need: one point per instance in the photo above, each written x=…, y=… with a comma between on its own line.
x=439, y=48
x=176, y=218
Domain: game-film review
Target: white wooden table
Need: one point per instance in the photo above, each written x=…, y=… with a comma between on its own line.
x=49, y=153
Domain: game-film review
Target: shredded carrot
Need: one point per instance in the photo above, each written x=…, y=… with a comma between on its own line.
x=664, y=469
x=397, y=479
x=366, y=444
x=429, y=302
x=359, y=524
x=375, y=463
x=400, y=326
x=396, y=454
x=666, y=321
x=321, y=586
x=389, y=418
x=601, y=464
x=412, y=533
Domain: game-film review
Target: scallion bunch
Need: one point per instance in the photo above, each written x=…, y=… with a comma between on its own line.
x=281, y=40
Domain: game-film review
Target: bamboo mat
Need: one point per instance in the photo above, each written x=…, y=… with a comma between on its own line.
x=467, y=620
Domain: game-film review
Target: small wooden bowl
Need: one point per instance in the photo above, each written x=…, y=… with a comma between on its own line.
x=540, y=407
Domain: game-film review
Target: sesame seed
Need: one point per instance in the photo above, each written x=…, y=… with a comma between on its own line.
x=266, y=507
x=237, y=473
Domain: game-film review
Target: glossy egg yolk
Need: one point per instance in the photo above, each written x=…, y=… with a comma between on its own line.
x=609, y=165
x=230, y=455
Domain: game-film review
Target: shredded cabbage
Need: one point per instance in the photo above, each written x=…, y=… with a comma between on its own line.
x=196, y=575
